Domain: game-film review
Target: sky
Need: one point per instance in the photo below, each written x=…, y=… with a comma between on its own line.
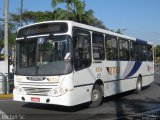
x=137, y=18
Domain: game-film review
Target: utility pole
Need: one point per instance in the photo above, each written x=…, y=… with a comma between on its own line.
x=6, y=31
x=5, y=65
x=21, y=11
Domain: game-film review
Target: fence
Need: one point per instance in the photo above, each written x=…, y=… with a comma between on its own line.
x=6, y=85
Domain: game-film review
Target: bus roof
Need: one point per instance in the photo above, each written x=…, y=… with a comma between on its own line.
x=92, y=28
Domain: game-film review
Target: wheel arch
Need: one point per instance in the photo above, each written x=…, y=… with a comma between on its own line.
x=101, y=83
x=140, y=78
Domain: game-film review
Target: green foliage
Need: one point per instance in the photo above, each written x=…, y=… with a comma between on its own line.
x=54, y=3
x=158, y=51
x=1, y=41
x=76, y=12
x=12, y=39
x=119, y=31
x=31, y=17
x=98, y=23
x=60, y=14
x=12, y=35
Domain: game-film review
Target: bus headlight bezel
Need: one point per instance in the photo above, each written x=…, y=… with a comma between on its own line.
x=58, y=91
x=18, y=79
x=19, y=90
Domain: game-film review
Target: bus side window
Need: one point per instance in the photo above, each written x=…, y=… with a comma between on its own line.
x=98, y=46
x=150, y=53
x=138, y=51
x=123, y=50
x=111, y=48
x=135, y=51
x=144, y=53
x=81, y=49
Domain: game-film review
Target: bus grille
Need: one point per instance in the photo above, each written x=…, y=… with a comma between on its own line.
x=37, y=91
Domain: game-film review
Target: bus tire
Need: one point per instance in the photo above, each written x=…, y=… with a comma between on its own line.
x=96, y=96
x=138, y=85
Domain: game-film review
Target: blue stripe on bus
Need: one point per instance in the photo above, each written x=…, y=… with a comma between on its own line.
x=141, y=41
x=135, y=68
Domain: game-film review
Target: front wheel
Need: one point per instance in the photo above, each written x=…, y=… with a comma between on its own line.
x=96, y=96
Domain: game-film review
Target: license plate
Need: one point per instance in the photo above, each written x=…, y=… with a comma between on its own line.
x=34, y=99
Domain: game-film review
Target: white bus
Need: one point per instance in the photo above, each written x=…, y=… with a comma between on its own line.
x=69, y=63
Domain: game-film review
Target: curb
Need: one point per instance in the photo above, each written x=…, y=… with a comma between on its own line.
x=6, y=96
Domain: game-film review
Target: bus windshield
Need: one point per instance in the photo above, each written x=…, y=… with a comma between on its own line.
x=44, y=56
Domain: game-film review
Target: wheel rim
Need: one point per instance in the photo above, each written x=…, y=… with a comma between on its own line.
x=95, y=95
x=139, y=86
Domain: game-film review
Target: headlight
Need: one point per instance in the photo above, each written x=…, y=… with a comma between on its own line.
x=18, y=79
x=58, y=91
x=19, y=90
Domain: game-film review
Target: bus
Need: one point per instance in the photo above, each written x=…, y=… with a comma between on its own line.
x=68, y=63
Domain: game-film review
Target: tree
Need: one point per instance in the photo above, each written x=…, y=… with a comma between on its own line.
x=31, y=17
x=68, y=3
x=119, y=31
x=1, y=39
x=76, y=12
x=60, y=14
x=12, y=34
x=99, y=24
x=158, y=51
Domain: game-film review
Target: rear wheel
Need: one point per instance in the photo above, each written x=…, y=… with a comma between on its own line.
x=96, y=96
x=139, y=85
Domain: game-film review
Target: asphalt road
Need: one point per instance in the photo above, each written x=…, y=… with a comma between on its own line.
x=126, y=106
